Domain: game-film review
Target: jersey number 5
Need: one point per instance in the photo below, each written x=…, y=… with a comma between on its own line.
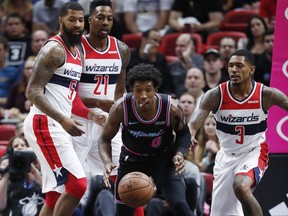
x=101, y=80
x=72, y=87
x=241, y=133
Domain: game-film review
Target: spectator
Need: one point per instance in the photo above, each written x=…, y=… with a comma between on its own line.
x=23, y=7
x=46, y=14
x=8, y=74
x=263, y=62
x=213, y=65
x=254, y=41
x=147, y=52
x=194, y=84
x=227, y=47
x=185, y=51
x=17, y=102
x=208, y=145
x=142, y=15
x=267, y=10
x=20, y=192
x=39, y=37
x=187, y=101
x=241, y=4
x=19, y=42
x=202, y=17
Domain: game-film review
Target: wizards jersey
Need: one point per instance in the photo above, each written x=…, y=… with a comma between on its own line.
x=101, y=70
x=61, y=88
x=240, y=124
x=141, y=137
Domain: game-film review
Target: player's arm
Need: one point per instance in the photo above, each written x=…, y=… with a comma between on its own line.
x=121, y=81
x=111, y=127
x=209, y=102
x=51, y=56
x=273, y=96
x=183, y=136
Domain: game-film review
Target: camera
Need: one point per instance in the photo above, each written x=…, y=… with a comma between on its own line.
x=20, y=162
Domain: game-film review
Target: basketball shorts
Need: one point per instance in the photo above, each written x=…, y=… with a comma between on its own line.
x=252, y=163
x=53, y=147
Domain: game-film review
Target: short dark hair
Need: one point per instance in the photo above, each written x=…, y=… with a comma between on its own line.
x=144, y=72
x=269, y=31
x=96, y=3
x=72, y=6
x=249, y=57
x=15, y=15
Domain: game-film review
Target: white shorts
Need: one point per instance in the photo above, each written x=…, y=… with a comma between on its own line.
x=227, y=166
x=86, y=147
x=53, y=147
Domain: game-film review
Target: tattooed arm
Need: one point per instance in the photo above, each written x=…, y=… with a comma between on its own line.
x=209, y=102
x=272, y=96
x=121, y=82
x=48, y=60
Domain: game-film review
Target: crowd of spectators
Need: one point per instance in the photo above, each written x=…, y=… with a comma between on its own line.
x=26, y=25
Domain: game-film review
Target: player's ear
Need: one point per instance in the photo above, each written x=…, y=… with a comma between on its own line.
x=89, y=19
x=156, y=89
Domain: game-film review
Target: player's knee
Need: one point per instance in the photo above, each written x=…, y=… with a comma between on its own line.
x=51, y=198
x=241, y=189
x=76, y=187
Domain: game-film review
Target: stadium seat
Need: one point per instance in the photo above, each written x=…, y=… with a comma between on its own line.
x=213, y=39
x=209, y=186
x=132, y=40
x=237, y=20
x=168, y=41
x=2, y=150
x=7, y=131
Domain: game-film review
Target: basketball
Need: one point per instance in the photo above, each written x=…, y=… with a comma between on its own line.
x=136, y=189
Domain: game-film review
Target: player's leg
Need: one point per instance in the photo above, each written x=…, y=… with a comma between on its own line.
x=248, y=175
x=224, y=201
x=75, y=188
x=50, y=202
x=242, y=189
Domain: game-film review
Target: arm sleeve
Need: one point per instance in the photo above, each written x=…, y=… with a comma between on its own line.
x=183, y=139
x=79, y=108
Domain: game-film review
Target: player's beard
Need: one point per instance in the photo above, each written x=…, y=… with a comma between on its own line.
x=72, y=38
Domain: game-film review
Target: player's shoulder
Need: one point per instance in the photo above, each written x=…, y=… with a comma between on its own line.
x=122, y=46
x=53, y=46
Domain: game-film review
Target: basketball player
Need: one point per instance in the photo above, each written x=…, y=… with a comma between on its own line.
x=103, y=81
x=149, y=121
x=49, y=127
x=240, y=108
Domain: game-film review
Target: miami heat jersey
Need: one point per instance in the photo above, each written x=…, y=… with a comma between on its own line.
x=61, y=88
x=147, y=137
x=240, y=124
x=101, y=70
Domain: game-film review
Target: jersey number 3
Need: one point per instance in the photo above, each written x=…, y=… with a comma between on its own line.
x=241, y=133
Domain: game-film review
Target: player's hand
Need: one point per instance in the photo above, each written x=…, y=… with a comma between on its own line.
x=108, y=169
x=71, y=126
x=179, y=163
x=97, y=118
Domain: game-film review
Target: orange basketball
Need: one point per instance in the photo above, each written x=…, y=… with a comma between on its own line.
x=136, y=189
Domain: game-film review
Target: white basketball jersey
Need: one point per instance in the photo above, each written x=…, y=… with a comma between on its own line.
x=101, y=70
x=61, y=88
x=240, y=124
